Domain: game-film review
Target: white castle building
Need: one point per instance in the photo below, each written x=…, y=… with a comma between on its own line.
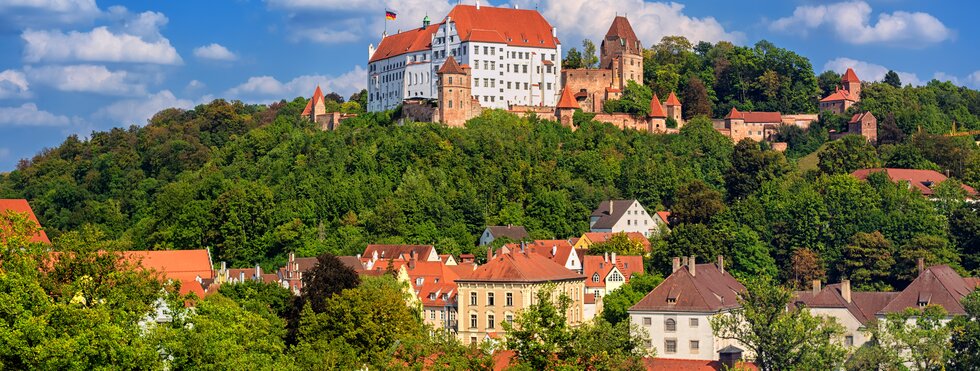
x=514, y=56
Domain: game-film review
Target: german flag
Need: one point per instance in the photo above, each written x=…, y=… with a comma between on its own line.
x=390, y=15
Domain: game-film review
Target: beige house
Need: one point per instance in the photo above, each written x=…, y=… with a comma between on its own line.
x=509, y=282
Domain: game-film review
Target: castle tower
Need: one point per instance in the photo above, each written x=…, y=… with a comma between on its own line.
x=657, y=116
x=454, y=93
x=622, y=48
x=674, y=109
x=566, y=107
x=316, y=107
x=852, y=84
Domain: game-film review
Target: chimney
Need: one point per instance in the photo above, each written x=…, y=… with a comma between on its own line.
x=241, y=276
x=721, y=264
x=816, y=287
x=691, y=265
x=523, y=245
x=845, y=290
x=605, y=256
x=411, y=255
x=292, y=257
x=610, y=207
x=921, y=265
x=477, y=4
x=489, y=253
x=614, y=258
x=258, y=272
x=554, y=250
x=676, y=265
x=554, y=32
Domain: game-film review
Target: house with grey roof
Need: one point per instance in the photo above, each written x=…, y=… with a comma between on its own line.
x=616, y=216
x=512, y=232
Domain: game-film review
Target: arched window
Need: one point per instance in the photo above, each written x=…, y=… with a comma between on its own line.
x=670, y=325
x=595, y=277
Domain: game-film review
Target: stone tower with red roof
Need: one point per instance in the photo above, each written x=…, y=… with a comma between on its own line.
x=622, y=52
x=455, y=97
x=852, y=84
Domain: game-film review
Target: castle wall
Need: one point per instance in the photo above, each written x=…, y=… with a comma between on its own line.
x=594, y=82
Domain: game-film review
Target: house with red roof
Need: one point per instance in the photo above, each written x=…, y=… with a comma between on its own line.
x=514, y=58
x=509, y=282
x=560, y=251
x=923, y=181
x=192, y=268
x=845, y=95
x=21, y=206
x=675, y=314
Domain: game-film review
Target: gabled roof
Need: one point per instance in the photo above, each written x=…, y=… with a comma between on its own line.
x=863, y=305
x=673, y=364
x=181, y=265
x=386, y=252
x=607, y=217
x=672, y=100
x=352, y=262
x=451, y=67
x=317, y=97
x=620, y=29
x=850, y=76
x=486, y=36
x=23, y=207
x=518, y=27
x=839, y=95
x=734, y=114
x=567, y=100
x=603, y=265
x=557, y=250
x=525, y=267
x=708, y=290
x=411, y=41
x=513, y=232
x=600, y=237
x=656, y=110
x=763, y=117
x=938, y=284
x=664, y=216
x=857, y=117
x=921, y=180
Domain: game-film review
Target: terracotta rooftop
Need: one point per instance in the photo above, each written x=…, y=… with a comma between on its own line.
x=921, y=180
x=763, y=117
x=621, y=30
x=317, y=96
x=671, y=364
x=603, y=265
x=664, y=216
x=600, y=237
x=23, y=207
x=517, y=266
x=857, y=117
x=708, y=290
x=734, y=114
x=672, y=100
x=513, y=232
x=518, y=27
x=850, y=76
x=839, y=95
x=411, y=41
x=385, y=252
x=451, y=67
x=567, y=100
x=656, y=110
x=556, y=250
x=937, y=284
x=863, y=305
x=609, y=212
x=180, y=265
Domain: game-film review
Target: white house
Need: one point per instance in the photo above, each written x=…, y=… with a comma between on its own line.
x=616, y=216
x=676, y=313
x=560, y=251
x=514, y=55
x=853, y=310
x=607, y=272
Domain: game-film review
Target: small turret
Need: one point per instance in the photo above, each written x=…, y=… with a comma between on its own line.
x=425, y=22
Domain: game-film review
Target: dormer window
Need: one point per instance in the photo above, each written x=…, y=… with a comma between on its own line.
x=418, y=281
x=595, y=277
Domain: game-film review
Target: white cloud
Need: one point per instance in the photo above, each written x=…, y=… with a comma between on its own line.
x=195, y=85
x=851, y=22
x=214, y=52
x=974, y=79
x=340, y=21
x=139, y=110
x=942, y=76
x=867, y=71
x=264, y=89
x=13, y=84
x=87, y=78
x=15, y=14
x=28, y=115
x=650, y=20
x=100, y=44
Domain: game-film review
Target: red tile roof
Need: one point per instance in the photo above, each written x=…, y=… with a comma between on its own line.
x=850, y=76
x=839, y=95
x=180, y=265
x=557, y=250
x=386, y=252
x=602, y=265
x=734, y=114
x=518, y=27
x=517, y=266
x=670, y=364
x=317, y=96
x=665, y=216
x=656, y=110
x=863, y=305
x=708, y=290
x=621, y=29
x=763, y=117
x=672, y=100
x=858, y=116
x=486, y=36
x=567, y=100
x=451, y=67
x=938, y=284
x=600, y=237
x=410, y=41
x=23, y=207
x=921, y=180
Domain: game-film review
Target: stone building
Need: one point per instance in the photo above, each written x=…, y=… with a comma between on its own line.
x=844, y=96
x=620, y=60
x=316, y=111
x=864, y=124
x=456, y=103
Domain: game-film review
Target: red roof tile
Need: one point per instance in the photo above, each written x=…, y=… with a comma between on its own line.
x=451, y=67
x=839, y=95
x=23, y=207
x=602, y=265
x=566, y=100
x=486, y=36
x=708, y=290
x=863, y=305
x=317, y=96
x=410, y=41
x=939, y=285
x=621, y=29
x=664, y=216
x=763, y=117
x=672, y=100
x=850, y=76
x=734, y=114
x=518, y=27
x=921, y=180
x=180, y=265
x=557, y=250
x=670, y=364
x=600, y=237
x=386, y=252
x=521, y=267
x=656, y=110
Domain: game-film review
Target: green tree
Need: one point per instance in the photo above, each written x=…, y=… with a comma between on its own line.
x=913, y=336
x=828, y=81
x=573, y=59
x=782, y=337
x=619, y=243
x=260, y=297
x=751, y=167
x=852, y=152
x=891, y=78
x=616, y=303
x=868, y=260
x=327, y=278
x=589, y=58
x=696, y=101
x=696, y=202
x=965, y=336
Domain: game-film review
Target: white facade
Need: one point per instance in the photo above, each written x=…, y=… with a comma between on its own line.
x=636, y=219
x=503, y=75
x=691, y=337
x=854, y=334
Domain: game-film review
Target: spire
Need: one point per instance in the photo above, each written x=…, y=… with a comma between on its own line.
x=567, y=100
x=317, y=96
x=451, y=67
x=672, y=100
x=734, y=114
x=656, y=109
x=849, y=76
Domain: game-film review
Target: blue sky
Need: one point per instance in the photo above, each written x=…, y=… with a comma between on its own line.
x=74, y=66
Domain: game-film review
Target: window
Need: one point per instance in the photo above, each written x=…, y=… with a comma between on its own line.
x=490, y=321
x=595, y=277
x=472, y=339
x=450, y=104
x=509, y=299
x=432, y=314
x=670, y=346
x=442, y=315
x=418, y=281
x=509, y=318
x=849, y=340
x=695, y=346
x=693, y=322
x=647, y=321
x=472, y=298
x=670, y=325
x=472, y=321
x=616, y=277
x=490, y=299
